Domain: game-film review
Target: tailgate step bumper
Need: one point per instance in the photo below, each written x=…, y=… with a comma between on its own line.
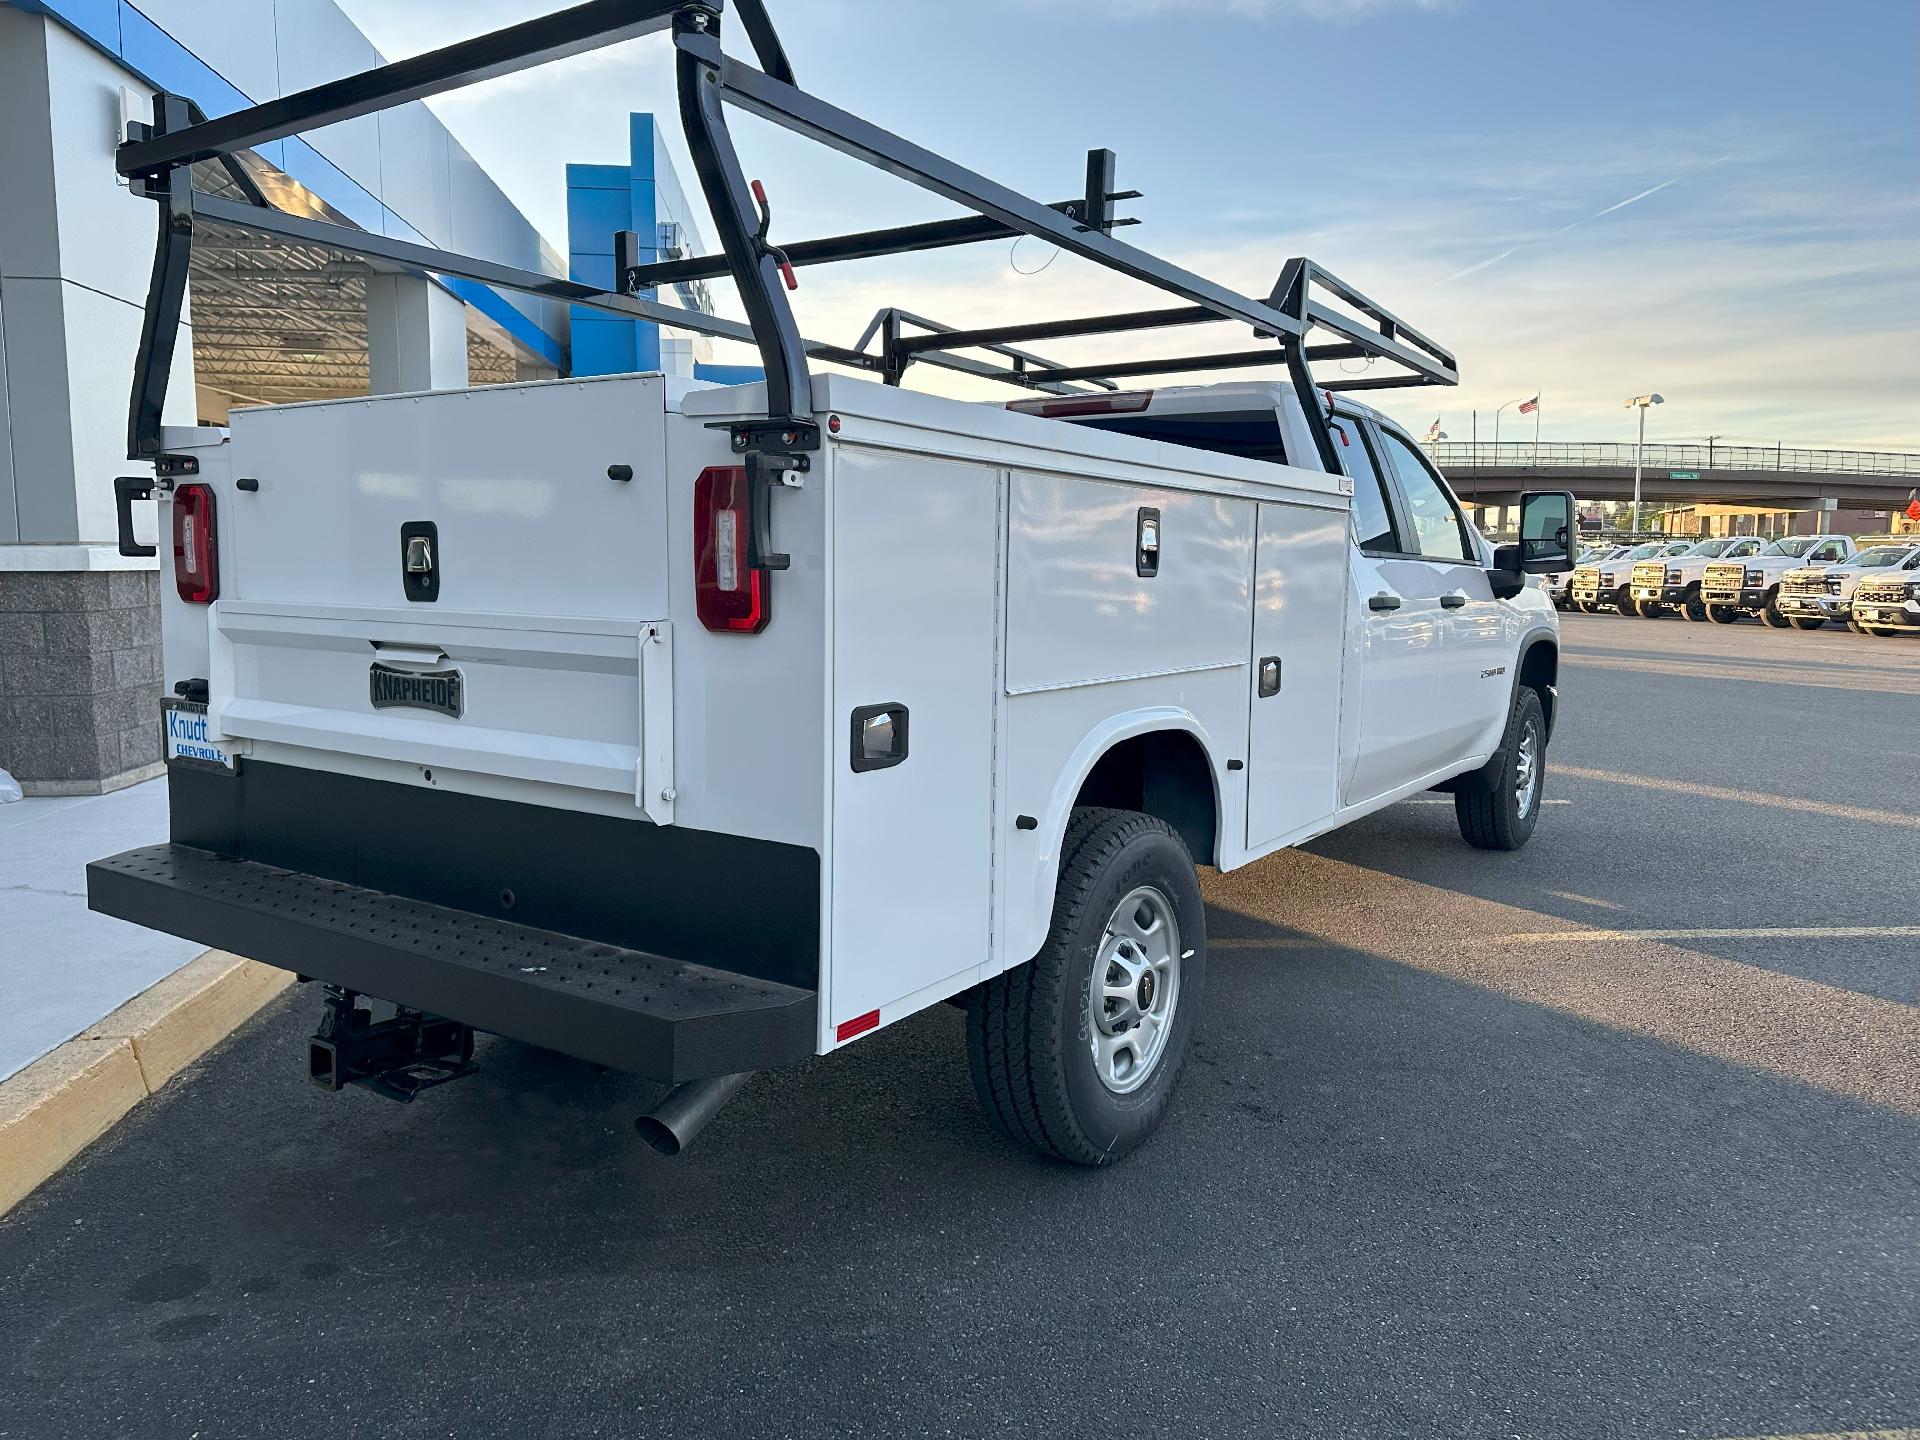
x=666, y=1019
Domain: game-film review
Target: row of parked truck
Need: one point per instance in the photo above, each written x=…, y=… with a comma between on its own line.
x=1870, y=584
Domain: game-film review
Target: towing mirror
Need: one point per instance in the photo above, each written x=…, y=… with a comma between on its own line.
x=1546, y=532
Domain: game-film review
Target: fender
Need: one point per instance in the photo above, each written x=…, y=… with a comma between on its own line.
x=1030, y=897
x=1544, y=635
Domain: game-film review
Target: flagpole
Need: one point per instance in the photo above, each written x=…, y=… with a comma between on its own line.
x=1536, y=431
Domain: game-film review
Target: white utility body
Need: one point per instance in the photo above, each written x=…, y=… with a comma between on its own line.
x=697, y=730
x=980, y=568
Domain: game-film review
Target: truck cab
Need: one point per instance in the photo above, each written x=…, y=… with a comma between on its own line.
x=1675, y=581
x=1811, y=595
x=1730, y=589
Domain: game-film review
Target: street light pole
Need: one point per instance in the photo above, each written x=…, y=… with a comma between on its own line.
x=1640, y=402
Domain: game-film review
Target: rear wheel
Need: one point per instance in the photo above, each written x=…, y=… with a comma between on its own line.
x=1722, y=614
x=1807, y=622
x=1498, y=804
x=1075, y=1053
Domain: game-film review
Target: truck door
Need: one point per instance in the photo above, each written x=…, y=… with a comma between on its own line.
x=1392, y=669
x=1473, y=686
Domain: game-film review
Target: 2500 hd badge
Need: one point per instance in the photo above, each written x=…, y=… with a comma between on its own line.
x=437, y=690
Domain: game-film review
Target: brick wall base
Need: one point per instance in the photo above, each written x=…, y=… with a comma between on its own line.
x=79, y=679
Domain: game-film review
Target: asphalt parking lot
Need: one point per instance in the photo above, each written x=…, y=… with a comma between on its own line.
x=1613, y=1137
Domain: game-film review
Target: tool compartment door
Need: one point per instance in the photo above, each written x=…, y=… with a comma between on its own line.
x=1299, y=598
x=915, y=595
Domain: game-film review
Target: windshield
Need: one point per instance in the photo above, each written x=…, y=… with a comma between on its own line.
x=1796, y=546
x=1881, y=556
x=1711, y=547
x=1641, y=552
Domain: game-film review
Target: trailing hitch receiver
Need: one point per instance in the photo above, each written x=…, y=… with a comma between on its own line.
x=397, y=1058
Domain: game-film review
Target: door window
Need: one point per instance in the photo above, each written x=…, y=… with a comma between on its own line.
x=1832, y=550
x=1438, y=529
x=1374, y=530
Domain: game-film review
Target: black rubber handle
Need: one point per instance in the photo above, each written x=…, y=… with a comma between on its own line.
x=126, y=490
x=1452, y=602
x=1384, y=602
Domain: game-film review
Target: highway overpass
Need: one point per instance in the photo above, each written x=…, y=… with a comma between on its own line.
x=1769, y=475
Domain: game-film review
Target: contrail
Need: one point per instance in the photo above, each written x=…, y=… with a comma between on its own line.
x=1584, y=219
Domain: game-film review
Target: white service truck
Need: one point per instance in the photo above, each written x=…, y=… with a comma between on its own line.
x=697, y=730
x=1674, y=580
x=1608, y=582
x=1731, y=588
x=1814, y=594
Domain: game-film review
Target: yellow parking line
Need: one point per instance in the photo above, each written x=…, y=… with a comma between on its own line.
x=1586, y=900
x=1880, y=682
x=1783, y=932
x=1745, y=797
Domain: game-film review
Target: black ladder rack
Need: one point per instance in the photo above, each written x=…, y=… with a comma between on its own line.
x=157, y=159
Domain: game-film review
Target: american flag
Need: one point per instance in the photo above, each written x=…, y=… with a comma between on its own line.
x=1433, y=430
x=1527, y=407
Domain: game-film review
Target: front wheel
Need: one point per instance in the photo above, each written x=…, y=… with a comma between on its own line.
x=1807, y=622
x=1585, y=607
x=1498, y=804
x=1075, y=1053
x=1772, y=617
x=1693, y=607
x=1722, y=614
x=1649, y=609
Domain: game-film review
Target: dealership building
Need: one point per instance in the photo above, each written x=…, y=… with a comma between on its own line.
x=266, y=323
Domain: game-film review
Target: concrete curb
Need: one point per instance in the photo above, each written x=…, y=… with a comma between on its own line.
x=63, y=1102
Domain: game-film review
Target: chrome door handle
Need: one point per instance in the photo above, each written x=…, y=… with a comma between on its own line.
x=1383, y=601
x=1453, y=602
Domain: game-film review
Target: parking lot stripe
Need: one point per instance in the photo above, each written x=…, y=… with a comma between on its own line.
x=1841, y=1435
x=1586, y=899
x=1744, y=797
x=1871, y=681
x=1783, y=932
x=1841, y=1041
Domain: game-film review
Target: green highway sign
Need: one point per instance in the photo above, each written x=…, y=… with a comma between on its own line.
x=1683, y=474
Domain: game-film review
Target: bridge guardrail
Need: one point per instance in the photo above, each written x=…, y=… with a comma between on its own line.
x=1656, y=459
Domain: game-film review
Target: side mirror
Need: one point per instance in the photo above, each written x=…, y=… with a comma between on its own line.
x=1505, y=577
x=1546, y=532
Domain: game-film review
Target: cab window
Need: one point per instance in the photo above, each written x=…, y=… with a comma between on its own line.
x=1438, y=530
x=1832, y=550
x=1374, y=530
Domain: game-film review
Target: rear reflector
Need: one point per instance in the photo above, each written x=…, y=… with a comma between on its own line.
x=729, y=593
x=859, y=1025
x=1120, y=402
x=196, y=558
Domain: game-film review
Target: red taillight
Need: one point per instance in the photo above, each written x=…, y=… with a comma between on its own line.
x=1119, y=402
x=729, y=593
x=196, y=558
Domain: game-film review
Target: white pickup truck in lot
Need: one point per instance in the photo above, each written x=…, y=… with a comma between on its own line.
x=1886, y=601
x=1751, y=586
x=1674, y=580
x=1814, y=594
x=1608, y=582
x=697, y=730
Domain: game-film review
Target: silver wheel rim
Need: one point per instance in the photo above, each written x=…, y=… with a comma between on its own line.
x=1134, y=988
x=1526, y=770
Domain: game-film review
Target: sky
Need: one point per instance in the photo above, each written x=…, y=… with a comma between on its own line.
x=1717, y=200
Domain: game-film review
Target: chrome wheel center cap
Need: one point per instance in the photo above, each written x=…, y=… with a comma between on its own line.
x=1146, y=991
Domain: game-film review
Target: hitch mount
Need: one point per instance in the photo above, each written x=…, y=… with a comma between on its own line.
x=397, y=1058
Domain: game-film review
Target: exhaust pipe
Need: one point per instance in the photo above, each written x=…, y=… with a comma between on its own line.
x=671, y=1125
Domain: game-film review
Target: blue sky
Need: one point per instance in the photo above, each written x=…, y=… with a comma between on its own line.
x=1466, y=161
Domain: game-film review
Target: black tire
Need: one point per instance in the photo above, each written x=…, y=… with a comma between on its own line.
x=1807, y=622
x=1693, y=607
x=1722, y=614
x=1772, y=616
x=1623, y=601
x=1649, y=609
x=1585, y=607
x=1487, y=803
x=1029, y=1031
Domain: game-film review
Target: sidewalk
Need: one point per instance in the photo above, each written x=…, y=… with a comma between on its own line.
x=62, y=968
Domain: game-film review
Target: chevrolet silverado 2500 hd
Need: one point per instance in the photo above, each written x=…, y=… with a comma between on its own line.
x=1751, y=586
x=1675, y=579
x=1814, y=594
x=1608, y=583
x=697, y=730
